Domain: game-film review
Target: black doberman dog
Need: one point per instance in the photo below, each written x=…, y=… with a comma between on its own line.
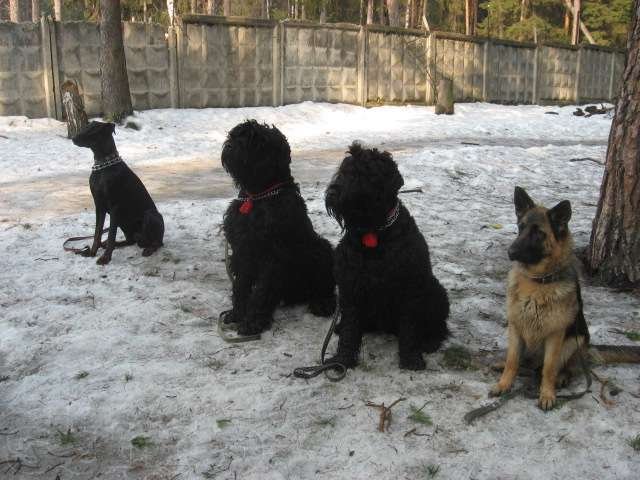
x=118, y=191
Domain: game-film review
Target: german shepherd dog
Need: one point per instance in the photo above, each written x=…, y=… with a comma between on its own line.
x=544, y=303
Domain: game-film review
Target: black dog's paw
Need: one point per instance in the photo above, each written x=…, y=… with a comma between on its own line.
x=253, y=327
x=230, y=316
x=149, y=251
x=323, y=307
x=104, y=259
x=349, y=361
x=412, y=362
x=86, y=252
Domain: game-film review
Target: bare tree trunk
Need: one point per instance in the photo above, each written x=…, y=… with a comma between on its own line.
x=614, y=249
x=194, y=6
x=323, y=11
x=471, y=16
x=393, y=7
x=226, y=7
x=303, y=13
x=567, y=22
x=116, y=97
x=369, y=12
x=407, y=14
x=524, y=10
x=575, y=31
x=73, y=108
x=382, y=16
x=57, y=10
x=15, y=12
x=211, y=7
x=35, y=10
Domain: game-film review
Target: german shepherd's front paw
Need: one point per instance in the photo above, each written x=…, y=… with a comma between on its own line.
x=413, y=361
x=547, y=400
x=253, y=326
x=348, y=361
x=104, y=259
x=499, y=389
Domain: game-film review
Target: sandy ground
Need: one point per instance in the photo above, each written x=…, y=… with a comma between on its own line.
x=118, y=372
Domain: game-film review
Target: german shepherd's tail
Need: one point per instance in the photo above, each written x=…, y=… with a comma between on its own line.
x=606, y=354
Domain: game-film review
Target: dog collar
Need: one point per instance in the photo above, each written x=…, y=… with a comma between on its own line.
x=553, y=277
x=247, y=198
x=109, y=161
x=370, y=239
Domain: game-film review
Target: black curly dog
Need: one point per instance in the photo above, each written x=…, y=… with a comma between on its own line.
x=277, y=256
x=118, y=191
x=382, y=264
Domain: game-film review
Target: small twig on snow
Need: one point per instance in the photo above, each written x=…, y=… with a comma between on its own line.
x=385, y=413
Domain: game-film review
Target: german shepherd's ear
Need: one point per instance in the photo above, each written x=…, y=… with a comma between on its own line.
x=559, y=217
x=522, y=201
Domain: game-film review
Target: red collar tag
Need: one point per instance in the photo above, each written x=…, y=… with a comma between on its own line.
x=246, y=206
x=370, y=240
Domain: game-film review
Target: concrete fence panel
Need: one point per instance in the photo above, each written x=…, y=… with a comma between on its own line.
x=227, y=63
x=396, y=66
x=511, y=73
x=461, y=60
x=557, y=69
x=147, y=56
x=320, y=63
x=22, y=83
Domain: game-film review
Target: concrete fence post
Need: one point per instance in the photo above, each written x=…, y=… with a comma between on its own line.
x=485, y=71
x=613, y=75
x=174, y=82
x=576, y=94
x=432, y=74
x=534, y=91
x=363, y=35
x=278, y=80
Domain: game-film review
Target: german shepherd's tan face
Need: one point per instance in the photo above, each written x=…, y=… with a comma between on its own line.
x=543, y=240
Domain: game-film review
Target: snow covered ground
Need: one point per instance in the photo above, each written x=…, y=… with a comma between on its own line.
x=92, y=358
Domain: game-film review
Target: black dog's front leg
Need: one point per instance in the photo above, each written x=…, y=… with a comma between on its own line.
x=111, y=242
x=265, y=296
x=241, y=289
x=97, y=235
x=350, y=339
x=409, y=343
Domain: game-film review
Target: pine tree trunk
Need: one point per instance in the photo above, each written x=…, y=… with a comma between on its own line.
x=116, y=98
x=369, y=12
x=323, y=11
x=35, y=10
x=57, y=10
x=393, y=7
x=226, y=7
x=614, y=249
x=382, y=16
x=194, y=6
x=15, y=12
x=575, y=31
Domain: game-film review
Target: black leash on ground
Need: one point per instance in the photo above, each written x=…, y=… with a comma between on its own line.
x=528, y=392
x=314, y=371
x=67, y=248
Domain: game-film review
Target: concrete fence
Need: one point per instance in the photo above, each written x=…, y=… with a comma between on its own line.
x=236, y=62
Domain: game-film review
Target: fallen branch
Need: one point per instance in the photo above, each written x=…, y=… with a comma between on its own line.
x=385, y=413
x=586, y=159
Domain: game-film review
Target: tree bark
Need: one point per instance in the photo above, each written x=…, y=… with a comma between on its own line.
x=369, y=12
x=323, y=11
x=471, y=16
x=226, y=8
x=194, y=6
x=614, y=249
x=393, y=7
x=116, y=97
x=575, y=30
x=15, y=12
x=57, y=10
x=35, y=11
x=211, y=7
x=73, y=108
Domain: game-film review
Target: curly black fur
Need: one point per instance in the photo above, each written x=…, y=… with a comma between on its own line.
x=390, y=287
x=277, y=256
